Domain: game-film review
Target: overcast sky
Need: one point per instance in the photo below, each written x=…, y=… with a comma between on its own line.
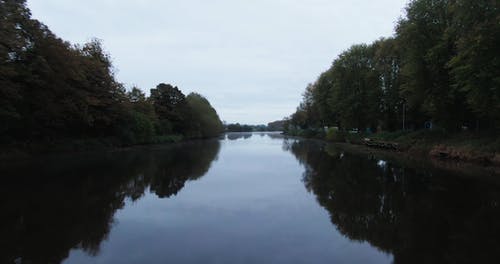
x=251, y=58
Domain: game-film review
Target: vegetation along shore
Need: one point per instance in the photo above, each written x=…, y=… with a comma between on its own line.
x=56, y=96
x=433, y=88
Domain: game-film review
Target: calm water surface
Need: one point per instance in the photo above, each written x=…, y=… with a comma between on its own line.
x=247, y=198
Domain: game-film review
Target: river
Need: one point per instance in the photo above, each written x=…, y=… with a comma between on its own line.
x=244, y=198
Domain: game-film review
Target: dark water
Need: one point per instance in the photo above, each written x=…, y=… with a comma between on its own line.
x=249, y=198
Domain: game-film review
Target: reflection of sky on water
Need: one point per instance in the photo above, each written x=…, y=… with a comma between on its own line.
x=250, y=207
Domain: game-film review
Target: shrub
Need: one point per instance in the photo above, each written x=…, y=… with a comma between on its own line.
x=335, y=135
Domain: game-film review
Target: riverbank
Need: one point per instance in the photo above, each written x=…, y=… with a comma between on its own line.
x=420, y=161
x=20, y=150
x=481, y=149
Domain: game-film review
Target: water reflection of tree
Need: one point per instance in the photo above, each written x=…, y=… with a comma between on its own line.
x=174, y=168
x=239, y=135
x=49, y=210
x=418, y=216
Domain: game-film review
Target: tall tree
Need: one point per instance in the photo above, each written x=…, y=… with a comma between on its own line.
x=322, y=90
x=14, y=18
x=388, y=64
x=171, y=108
x=428, y=47
x=204, y=120
x=475, y=68
x=355, y=95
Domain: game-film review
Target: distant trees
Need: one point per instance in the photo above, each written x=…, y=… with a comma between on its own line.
x=237, y=127
x=53, y=90
x=276, y=125
x=441, y=66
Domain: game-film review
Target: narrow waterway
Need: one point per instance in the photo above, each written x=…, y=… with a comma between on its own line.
x=245, y=198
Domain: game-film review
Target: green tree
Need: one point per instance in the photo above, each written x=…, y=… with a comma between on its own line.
x=428, y=47
x=204, y=120
x=388, y=64
x=355, y=94
x=322, y=91
x=475, y=68
x=171, y=108
x=14, y=40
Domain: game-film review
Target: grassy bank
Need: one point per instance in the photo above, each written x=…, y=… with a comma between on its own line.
x=479, y=148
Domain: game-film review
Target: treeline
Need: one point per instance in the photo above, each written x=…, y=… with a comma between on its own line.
x=440, y=70
x=237, y=127
x=52, y=90
x=272, y=126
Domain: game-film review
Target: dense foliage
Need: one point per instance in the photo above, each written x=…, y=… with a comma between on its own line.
x=440, y=70
x=204, y=119
x=272, y=126
x=52, y=90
